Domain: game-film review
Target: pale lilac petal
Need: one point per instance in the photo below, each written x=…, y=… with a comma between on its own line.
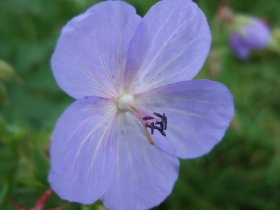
x=171, y=44
x=83, y=150
x=90, y=55
x=198, y=112
x=144, y=174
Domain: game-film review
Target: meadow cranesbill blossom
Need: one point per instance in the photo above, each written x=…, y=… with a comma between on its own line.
x=137, y=108
x=248, y=33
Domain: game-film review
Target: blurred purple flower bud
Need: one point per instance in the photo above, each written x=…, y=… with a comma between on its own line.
x=248, y=33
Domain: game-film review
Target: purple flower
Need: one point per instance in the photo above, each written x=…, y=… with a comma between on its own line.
x=250, y=34
x=137, y=109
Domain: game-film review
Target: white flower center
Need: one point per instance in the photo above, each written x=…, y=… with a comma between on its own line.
x=125, y=102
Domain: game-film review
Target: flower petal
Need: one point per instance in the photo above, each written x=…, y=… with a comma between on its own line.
x=90, y=55
x=198, y=113
x=144, y=174
x=83, y=151
x=171, y=44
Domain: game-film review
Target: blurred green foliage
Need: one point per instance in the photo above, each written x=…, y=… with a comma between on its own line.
x=242, y=172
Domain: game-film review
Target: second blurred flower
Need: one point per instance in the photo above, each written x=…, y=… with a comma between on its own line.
x=247, y=33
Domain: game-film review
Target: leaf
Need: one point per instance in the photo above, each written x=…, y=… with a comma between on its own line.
x=3, y=192
x=3, y=94
x=274, y=44
x=273, y=172
x=96, y=206
x=7, y=72
x=41, y=165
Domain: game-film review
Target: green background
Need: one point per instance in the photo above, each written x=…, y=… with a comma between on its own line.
x=241, y=173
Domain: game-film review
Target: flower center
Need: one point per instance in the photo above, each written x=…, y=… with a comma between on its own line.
x=125, y=102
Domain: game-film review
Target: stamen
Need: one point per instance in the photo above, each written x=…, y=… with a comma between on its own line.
x=152, y=122
x=148, y=136
x=148, y=118
x=164, y=121
x=161, y=125
x=158, y=115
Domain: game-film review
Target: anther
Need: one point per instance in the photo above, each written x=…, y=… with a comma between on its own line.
x=158, y=115
x=162, y=132
x=156, y=123
x=148, y=118
x=161, y=125
x=164, y=121
x=152, y=126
